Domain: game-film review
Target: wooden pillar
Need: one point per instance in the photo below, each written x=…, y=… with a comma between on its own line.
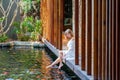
x=56, y=23
x=50, y=27
x=103, y=37
x=95, y=38
x=88, y=36
x=61, y=21
x=113, y=51
x=83, y=32
x=110, y=46
x=118, y=40
x=76, y=32
x=99, y=39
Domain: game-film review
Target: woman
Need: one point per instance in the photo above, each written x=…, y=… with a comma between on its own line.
x=69, y=54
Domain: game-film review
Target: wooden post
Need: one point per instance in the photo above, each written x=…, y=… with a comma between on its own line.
x=56, y=23
x=61, y=21
x=99, y=39
x=95, y=38
x=83, y=32
x=76, y=32
x=113, y=51
x=50, y=27
x=103, y=37
x=88, y=36
x=117, y=40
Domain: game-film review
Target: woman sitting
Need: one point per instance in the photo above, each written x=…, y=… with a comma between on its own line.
x=69, y=53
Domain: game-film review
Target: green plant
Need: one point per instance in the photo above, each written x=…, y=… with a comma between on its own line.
x=37, y=30
x=3, y=38
x=28, y=29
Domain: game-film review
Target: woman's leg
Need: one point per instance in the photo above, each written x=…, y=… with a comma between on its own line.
x=59, y=59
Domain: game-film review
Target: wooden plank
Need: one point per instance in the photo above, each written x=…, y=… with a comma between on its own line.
x=76, y=32
x=117, y=40
x=88, y=36
x=107, y=40
x=61, y=21
x=116, y=43
x=103, y=37
x=55, y=23
x=95, y=38
x=52, y=20
x=83, y=32
x=99, y=39
x=111, y=39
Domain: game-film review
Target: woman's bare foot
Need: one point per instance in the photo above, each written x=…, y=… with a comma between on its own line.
x=60, y=66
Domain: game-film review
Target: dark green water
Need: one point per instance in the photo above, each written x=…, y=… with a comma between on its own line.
x=26, y=64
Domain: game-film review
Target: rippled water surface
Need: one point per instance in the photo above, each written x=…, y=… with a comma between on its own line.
x=26, y=64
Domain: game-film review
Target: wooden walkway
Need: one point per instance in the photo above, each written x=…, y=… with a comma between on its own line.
x=70, y=63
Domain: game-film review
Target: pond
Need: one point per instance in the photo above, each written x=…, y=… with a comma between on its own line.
x=27, y=64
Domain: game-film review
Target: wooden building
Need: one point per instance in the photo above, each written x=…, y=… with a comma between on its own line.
x=96, y=24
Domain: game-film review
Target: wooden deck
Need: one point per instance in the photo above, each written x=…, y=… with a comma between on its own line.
x=71, y=64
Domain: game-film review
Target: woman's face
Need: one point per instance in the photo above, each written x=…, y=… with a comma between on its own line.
x=67, y=36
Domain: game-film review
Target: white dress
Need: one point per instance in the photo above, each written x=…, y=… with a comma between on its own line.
x=69, y=54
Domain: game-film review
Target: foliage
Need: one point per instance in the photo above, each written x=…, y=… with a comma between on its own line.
x=3, y=38
x=28, y=29
x=37, y=30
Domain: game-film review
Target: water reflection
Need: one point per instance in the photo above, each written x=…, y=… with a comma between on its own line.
x=26, y=64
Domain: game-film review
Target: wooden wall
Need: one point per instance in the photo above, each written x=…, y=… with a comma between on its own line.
x=100, y=35
x=52, y=13
x=99, y=38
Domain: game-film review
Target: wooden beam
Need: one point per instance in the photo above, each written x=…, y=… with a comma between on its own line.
x=61, y=21
x=83, y=32
x=99, y=39
x=113, y=63
x=56, y=23
x=95, y=38
x=76, y=32
x=103, y=37
x=88, y=36
x=117, y=40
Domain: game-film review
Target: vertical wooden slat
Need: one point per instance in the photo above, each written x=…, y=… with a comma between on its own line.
x=99, y=39
x=113, y=39
x=61, y=21
x=116, y=56
x=88, y=36
x=107, y=40
x=76, y=32
x=103, y=37
x=55, y=22
x=51, y=20
x=95, y=38
x=118, y=40
x=83, y=31
x=110, y=39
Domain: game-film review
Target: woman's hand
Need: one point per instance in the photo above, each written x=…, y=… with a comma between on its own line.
x=43, y=39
